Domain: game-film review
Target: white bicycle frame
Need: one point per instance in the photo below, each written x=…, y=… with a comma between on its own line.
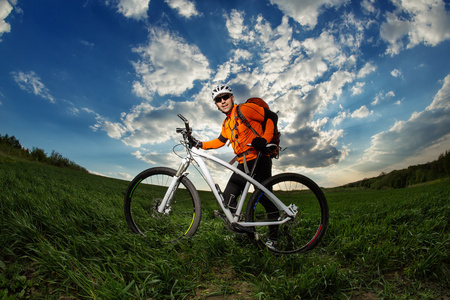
x=197, y=155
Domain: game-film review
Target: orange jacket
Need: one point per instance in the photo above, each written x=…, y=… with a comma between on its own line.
x=239, y=135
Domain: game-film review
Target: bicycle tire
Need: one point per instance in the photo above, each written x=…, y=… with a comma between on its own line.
x=305, y=230
x=180, y=218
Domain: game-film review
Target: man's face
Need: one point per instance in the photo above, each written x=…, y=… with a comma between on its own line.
x=224, y=102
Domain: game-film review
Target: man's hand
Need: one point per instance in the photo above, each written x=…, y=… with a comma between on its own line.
x=259, y=143
x=193, y=142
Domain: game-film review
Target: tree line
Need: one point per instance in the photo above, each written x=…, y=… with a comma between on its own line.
x=434, y=170
x=10, y=145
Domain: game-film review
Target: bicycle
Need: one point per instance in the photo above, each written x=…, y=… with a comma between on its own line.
x=163, y=203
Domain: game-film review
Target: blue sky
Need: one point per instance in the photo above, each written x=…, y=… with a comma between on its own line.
x=362, y=87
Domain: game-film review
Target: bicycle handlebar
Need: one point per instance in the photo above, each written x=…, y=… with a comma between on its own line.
x=187, y=131
x=186, y=122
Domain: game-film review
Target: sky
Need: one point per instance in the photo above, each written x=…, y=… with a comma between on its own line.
x=360, y=87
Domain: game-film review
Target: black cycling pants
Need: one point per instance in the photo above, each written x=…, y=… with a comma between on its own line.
x=236, y=185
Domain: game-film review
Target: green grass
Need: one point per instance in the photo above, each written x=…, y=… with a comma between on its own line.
x=64, y=236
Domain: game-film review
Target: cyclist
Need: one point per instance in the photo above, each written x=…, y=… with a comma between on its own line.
x=240, y=136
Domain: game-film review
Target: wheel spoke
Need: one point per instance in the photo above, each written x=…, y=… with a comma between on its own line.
x=301, y=233
x=178, y=219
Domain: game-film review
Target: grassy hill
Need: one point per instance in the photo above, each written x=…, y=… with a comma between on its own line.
x=64, y=236
x=437, y=169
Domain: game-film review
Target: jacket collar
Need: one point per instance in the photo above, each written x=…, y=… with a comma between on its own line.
x=233, y=109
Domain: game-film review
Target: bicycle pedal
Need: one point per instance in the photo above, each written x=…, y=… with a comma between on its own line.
x=220, y=215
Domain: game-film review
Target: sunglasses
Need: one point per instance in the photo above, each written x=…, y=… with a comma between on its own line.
x=220, y=98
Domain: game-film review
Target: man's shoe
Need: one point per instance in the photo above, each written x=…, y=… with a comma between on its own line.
x=271, y=244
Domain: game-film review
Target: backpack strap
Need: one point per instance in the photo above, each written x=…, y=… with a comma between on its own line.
x=244, y=154
x=245, y=121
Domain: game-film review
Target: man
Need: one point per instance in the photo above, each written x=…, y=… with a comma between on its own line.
x=240, y=136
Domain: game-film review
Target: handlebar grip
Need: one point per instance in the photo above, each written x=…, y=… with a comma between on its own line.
x=186, y=122
x=182, y=118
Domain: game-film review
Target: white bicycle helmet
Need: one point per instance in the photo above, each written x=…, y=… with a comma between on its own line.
x=220, y=90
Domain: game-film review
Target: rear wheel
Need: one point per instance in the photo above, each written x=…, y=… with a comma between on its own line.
x=180, y=217
x=304, y=231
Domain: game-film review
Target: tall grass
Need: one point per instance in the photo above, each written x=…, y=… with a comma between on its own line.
x=64, y=236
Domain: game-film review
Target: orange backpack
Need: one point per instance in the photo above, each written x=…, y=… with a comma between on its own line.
x=268, y=114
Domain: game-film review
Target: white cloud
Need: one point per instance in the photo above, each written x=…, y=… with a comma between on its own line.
x=309, y=144
x=390, y=94
x=368, y=6
x=360, y=113
x=367, y=69
x=168, y=65
x=5, y=10
x=408, y=138
x=398, y=102
x=122, y=175
x=325, y=46
x=306, y=12
x=284, y=63
x=442, y=98
x=156, y=158
x=31, y=83
x=87, y=44
x=396, y=73
x=184, y=7
x=382, y=96
x=223, y=71
x=146, y=124
x=358, y=88
x=135, y=9
x=236, y=28
x=114, y=130
x=426, y=22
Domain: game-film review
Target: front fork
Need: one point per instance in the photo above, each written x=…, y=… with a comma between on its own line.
x=174, y=185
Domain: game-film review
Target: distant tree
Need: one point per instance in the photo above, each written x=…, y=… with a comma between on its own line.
x=9, y=145
x=58, y=160
x=38, y=154
x=446, y=163
x=419, y=176
x=11, y=141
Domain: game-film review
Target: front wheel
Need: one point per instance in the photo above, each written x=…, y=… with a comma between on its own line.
x=304, y=231
x=180, y=218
